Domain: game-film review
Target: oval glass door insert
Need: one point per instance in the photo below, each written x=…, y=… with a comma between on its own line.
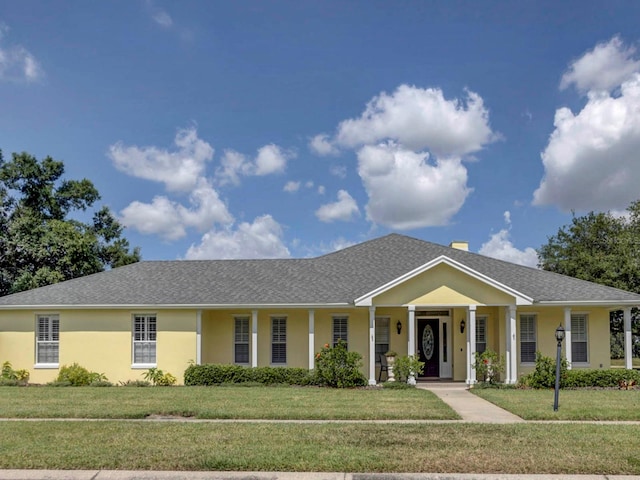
x=428, y=342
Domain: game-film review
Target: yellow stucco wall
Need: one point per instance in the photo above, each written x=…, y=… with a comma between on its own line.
x=443, y=285
x=99, y=340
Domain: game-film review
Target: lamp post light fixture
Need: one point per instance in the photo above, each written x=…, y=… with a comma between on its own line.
x=462, y=325
x=559, y=339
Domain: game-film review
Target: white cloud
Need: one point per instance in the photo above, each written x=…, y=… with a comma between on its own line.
x=603, y=68
x=344, y=209
x=339, y=171
x=321, y=189
x=309, y=184
x=322, y=145
x=170, y=219
x=179, y=170
x=500, y=246
x=591, y=160
x=163, y=19
x=406, y=191
x=419, y=119
x=507, y=217
x=17, y=64
x=291, y=187
x=270, y=159
x=260, y=239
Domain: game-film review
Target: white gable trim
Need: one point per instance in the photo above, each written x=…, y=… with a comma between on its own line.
x=367, y=299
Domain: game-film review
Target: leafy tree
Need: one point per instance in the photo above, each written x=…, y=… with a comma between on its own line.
x=602, y=248
x=42, y=241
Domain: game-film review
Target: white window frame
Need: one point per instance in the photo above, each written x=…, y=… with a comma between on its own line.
x=383, y=332
x=337, y=320
x=278, y=338
x=50, y=337
x=534, y=319
x=146, y=336
x=481, y=332
x=241, y=337
x=583, y=337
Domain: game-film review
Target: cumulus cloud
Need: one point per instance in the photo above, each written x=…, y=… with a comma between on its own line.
x=322, y=145
x=339, y=171
x=500, y=246
x=270, y=159
x=603, y=68
x=180, y=170
x=291, y=187
x=421, y=119
x=344, y=209
x=260, y=239
x=591, y=160
x=170, y=219
x=407, y=191
x=17, y=64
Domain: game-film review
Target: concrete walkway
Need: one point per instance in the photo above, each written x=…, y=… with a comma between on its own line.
x=469, y=406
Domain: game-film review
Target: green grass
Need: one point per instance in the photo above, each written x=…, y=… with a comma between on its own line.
x=619, y=362
x=222, y=403
x=516, y=448
x=573, y=404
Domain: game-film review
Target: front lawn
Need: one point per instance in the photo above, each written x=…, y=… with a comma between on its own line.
x=573, y=404
x=478, y=448
x=223, y=402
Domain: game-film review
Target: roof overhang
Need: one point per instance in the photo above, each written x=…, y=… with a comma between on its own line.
x=310, y=306
x=590, y=303
x=519, y=298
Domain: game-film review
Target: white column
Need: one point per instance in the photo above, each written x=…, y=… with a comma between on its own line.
x=471, y=345
x=512, y=344
x=312, y=339
x=507, y=349
x=567, y=336
x=628, y=353
x=411, y=343
x=199, y=337
x=254, y=338
x=372, y=345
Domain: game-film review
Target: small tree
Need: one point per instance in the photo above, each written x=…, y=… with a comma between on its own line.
x=407, y=366
x=338, y=368
x=489, y=366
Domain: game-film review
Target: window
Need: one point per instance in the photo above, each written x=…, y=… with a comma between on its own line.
x=528, y=338
x=144, y=340
x=481, y=334
x=340, y=330
x=382, y=336
x=47, y=339
x=279, y=340
x=241, y=340
x=579, y=352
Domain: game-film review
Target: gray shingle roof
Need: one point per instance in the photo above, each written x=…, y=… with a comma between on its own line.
x=339, y=277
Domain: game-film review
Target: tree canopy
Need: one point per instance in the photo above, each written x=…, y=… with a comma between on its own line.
x=42, y=239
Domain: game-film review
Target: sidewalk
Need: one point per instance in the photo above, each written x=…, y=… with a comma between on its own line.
x=469, y=406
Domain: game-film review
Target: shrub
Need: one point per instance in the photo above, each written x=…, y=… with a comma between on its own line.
x=338, y=368
x=135, y=383
x=614, y=378
x=489, y=366
x=544, y=375
x=77, y=376
x=10, y=377
x=406, y=366
x=218, y=374
x=158, y=378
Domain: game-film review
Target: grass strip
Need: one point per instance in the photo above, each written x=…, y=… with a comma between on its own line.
x=446, y=448
x=573, y=404
x=223, y=403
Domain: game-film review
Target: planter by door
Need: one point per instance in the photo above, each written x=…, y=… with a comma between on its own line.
x=428, y=346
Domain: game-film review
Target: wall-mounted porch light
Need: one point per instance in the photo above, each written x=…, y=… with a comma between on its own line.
x=462, y=325
x=399, y=327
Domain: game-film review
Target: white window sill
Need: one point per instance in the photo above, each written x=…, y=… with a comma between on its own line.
x=278, y=365
x=143, y=366
x=46, y=365
x=580, y=364
x=528, y=364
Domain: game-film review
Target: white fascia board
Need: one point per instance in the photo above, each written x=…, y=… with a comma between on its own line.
x=174, y=306
x=367, y=299
x=592, y=303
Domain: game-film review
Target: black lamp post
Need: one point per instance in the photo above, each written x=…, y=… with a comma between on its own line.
x=559, y=338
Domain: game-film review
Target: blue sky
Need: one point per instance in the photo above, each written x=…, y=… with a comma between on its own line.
x=289, y=129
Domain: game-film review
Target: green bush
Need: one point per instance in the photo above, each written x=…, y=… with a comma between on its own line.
x=406, y=366
x=220, y=374
x=618, y=378
x=77, y=376
x=135, y=383
x=489, y=366
x=544, y=375
x=159, y=378
x=11, y=377
x=336, y=367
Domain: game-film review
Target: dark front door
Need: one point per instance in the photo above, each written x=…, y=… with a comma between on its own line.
x=428, y=334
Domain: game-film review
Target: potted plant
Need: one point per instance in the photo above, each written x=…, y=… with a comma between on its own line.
x=391, y=358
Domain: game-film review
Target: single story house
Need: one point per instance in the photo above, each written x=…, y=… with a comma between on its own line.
x=391, y=293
